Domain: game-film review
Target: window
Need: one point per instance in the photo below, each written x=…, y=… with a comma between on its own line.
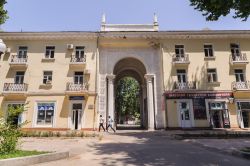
x=22, y=52
x=217, y=106
x=47, y=77
x=211, y=75
x=19, y=77
x=18, y=119
x=79, y=52
x=179, y=50
x=181, y=76
x=208, y=50
x=239, y=75
x=50, y=51
x=78, y=78
x=235, y=50
x=45, y=113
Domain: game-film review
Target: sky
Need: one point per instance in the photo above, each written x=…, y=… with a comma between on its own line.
x=85, y=15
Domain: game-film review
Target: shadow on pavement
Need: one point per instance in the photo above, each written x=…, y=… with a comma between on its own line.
x=156, y=148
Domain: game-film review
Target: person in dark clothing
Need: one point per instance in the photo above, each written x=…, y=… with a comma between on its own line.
x=101, y=122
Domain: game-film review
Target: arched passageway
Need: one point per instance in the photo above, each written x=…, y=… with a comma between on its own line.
x=134, y=69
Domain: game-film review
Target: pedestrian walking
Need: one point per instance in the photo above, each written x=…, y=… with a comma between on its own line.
x=110, y=124
x=101, y=122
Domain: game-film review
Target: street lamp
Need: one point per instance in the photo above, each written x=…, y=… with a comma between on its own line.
x=2, y=47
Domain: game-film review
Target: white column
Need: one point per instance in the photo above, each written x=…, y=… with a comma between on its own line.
x=150, y=100
x=111, y=99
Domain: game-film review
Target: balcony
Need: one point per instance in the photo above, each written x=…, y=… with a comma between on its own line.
x=75, y=62
x=180, y=59
x=238, y=59
x=73, y=88
x=241, y=85
x=15, y=88
x=17, y=61
x=190, y=85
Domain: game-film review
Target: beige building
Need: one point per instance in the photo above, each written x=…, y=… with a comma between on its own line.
x=188, y=79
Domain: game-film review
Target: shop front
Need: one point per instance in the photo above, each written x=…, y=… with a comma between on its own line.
x=198, y=109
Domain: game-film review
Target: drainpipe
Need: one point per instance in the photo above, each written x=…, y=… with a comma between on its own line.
x=96, y=81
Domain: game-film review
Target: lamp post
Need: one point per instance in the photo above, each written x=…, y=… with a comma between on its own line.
x=2, y=47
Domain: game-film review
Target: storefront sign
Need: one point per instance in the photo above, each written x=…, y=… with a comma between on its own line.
x=76, y=97
x=216, y=95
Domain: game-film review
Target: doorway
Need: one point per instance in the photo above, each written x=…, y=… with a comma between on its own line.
x=76, y=116
x=243, y=114
x=219, y=116
x=185, y=114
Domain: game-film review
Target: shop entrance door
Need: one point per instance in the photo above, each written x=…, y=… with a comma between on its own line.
x=76, y=116
x=246, y=118
x=219, y=119
x=243, y=114
x=185, y=116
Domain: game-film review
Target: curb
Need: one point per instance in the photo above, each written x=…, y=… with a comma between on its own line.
x=30, y=160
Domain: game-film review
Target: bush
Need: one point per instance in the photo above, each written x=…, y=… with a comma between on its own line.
x=9, y=130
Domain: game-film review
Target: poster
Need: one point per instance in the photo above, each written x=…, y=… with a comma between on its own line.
x=199, y=106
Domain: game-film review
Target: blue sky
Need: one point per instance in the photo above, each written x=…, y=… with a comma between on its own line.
x=85, y=15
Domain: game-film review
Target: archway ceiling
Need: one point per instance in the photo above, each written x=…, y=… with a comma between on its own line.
x=130, y=67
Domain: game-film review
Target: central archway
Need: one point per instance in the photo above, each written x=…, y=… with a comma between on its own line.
x=132, y=68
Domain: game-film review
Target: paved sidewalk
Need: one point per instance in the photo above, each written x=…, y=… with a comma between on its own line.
x=227, y=145
x=132, y=148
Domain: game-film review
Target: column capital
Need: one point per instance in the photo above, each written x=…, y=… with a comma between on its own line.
x=149, y=77
x=110, y=77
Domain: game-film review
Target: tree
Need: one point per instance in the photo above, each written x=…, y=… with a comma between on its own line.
x=10, y=131
x=127, y=102
x=3, y=13
x=214, y=9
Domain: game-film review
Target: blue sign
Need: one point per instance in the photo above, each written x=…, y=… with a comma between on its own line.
x=43, y=108
x=76, y=98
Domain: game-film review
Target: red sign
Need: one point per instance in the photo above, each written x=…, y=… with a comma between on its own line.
x=209, y=95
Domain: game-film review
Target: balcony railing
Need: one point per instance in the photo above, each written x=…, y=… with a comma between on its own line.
x=15, y=59
x=238, y=58
x=185, y=85
x=72, y=87
x=75, y=60
x=12, y=87
x=180, y=59
x=241, y=85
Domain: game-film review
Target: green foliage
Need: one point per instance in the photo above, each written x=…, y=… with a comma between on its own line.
x=127, y=97
x=214, y=9
x=9, y=131
x=3, y=13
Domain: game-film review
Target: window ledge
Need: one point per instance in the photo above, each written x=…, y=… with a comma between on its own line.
x=214, y=83
x=209, y=58
x=48, y=59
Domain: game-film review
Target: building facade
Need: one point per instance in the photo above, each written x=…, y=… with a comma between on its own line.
x=188, y=79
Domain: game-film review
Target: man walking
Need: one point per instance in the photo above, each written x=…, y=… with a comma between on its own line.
x=101, y=122
x=110, y=124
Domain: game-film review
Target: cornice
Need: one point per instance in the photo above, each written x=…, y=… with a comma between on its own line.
x=176, y=35
x=160, y=35
x=47, y=35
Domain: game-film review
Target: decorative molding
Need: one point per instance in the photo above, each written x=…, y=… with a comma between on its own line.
x=209, y=34
x=149, y=77
x=110, y=78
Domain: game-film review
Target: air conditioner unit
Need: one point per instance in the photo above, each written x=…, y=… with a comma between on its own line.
x=8, y=50
x=70, y=46
x=86, y=71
